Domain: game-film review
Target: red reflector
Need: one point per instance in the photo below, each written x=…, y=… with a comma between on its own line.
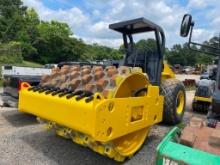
x=25, y=85
x=22, y=85
x=19, y=85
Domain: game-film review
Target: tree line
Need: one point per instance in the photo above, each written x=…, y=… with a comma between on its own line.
x=52, y=41
x=181, y=54
x=45, y=41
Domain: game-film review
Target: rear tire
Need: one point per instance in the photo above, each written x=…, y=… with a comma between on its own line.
x=174, y=100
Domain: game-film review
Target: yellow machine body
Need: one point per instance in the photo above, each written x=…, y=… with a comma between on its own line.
x=102, y=119
x=203, y=99
x=114, y=125
x=167, y=72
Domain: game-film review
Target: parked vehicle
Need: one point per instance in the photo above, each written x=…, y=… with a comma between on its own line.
x=13, y=76
x=203, y=95
x=188, y=70
x=50, y=66
x=8, y=70
x=204, y=75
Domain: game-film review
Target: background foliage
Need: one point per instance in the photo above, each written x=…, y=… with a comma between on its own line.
x=23, y=36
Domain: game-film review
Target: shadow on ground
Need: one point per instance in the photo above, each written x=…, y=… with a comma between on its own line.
x=18, y=119
x=63, y=151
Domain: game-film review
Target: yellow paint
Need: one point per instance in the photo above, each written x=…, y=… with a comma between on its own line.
x=180, y=102
x=95, y=118
x=167, y=72
x=204, y=99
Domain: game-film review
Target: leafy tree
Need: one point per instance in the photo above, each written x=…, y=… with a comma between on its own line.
x=213, y=42
x=204, y=59
x=146, y=45
x=10, y=53
x=32, y=22
x=30, y=34
x=174, y=56
x=11, y=20
x=54, y=29
x=97, y=52
x=180, y=54
x=54, y=43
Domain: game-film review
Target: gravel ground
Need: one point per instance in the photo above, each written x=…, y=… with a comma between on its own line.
x=24, y=141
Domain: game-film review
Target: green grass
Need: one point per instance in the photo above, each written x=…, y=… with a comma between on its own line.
x=29, y=64
x=24, y=63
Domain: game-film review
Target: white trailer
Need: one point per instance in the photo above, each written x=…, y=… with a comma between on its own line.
x=8, y=70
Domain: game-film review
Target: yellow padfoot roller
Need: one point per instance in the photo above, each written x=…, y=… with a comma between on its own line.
x=107, y=113
x=109, y=109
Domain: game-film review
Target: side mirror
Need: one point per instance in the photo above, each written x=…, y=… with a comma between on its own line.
x=185, y=25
